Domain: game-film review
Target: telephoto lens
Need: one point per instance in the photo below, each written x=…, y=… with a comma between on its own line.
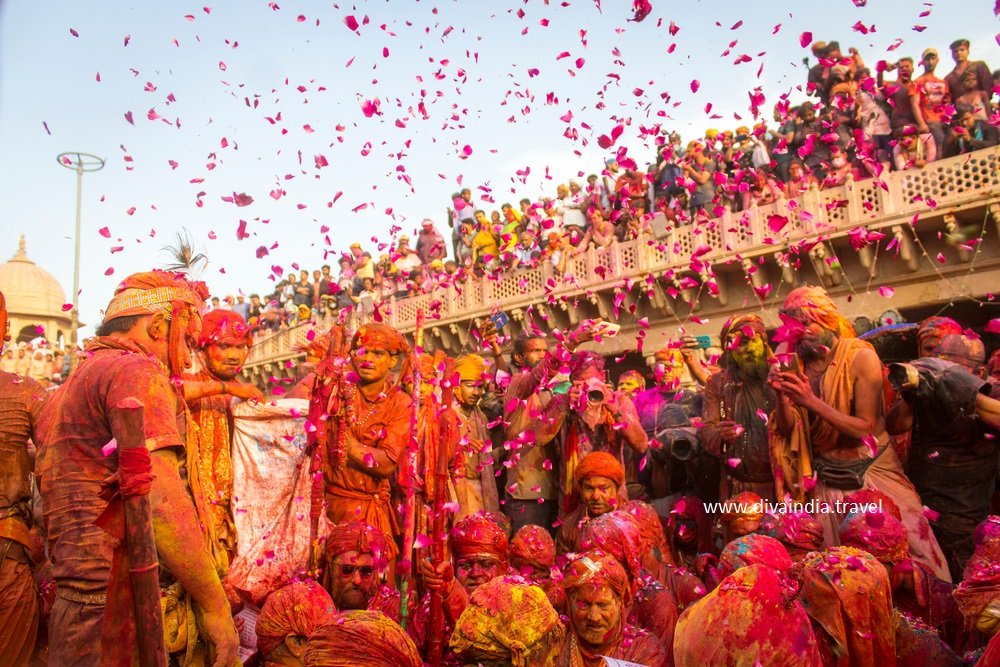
x=595, y=395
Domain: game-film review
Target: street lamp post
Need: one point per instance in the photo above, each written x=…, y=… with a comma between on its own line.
x=80, y=163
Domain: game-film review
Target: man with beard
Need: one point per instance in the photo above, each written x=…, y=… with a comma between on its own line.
x=736, y=398
x=356, y=565
x=20, y=407
x=829, y=418
x=598, y=479
x=222, y=349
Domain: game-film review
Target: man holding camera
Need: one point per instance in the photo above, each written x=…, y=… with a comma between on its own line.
x=589, y=417
x=952, y=420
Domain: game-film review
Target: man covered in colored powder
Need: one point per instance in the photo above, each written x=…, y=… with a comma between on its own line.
x=830, y=418
x=508, y=622
x=737, y=402
x=287, y=619
x=533, y=556
x=20, y=407
x=599, y=480
x=475, y=481
x=360, y=639
x=479, y=550
x=357, y=478
x=356, y=565
x=142, y=343
x=222, y=349
x=598, y=593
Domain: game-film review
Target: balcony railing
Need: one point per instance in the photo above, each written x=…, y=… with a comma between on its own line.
x=949, y=184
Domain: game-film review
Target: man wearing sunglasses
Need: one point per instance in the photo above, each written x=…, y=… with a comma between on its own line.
x=356, y=563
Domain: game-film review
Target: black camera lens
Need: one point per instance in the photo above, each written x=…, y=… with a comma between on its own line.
x=595, y=395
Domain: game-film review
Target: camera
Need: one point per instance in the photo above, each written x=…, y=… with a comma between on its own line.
x=681, y=443
x=597, y=391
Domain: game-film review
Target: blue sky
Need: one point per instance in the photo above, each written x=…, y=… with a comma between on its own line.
x=219, y=89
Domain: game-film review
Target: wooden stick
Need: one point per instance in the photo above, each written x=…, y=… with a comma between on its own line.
x=141, y=545
x=409, y=476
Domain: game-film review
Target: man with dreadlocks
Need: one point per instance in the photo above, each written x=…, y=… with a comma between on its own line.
x=734, y=398
x=141, y=345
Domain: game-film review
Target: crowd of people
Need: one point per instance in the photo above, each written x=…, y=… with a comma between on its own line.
x=36, y=360
x=856, y=125
x=804, y=501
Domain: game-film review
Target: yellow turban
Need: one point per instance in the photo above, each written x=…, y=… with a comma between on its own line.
x=470, y=367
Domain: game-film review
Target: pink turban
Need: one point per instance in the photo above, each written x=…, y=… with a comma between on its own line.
x=296, y=609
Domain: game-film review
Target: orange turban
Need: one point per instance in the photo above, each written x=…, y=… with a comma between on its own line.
x=357, y=536
x=223, y=326
x=600, y=464
x=670, y=356
x=470, y=367
x=361, y=639
x=746, y=505
x=815, y=305
x=754, y=549
x=380, y=337
x=878, y=533
x=479, y=535
x=533, y=545
x=508, y=621
x=936, y=328
x=296, y=609
x=598, y=568
x=650, y=525
x=154, y=291
x=618, y=534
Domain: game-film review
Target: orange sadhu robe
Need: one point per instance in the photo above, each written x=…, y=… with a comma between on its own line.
x=351, y=493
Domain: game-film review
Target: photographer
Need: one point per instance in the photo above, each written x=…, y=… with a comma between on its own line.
x=946, y=407
x=589, y=417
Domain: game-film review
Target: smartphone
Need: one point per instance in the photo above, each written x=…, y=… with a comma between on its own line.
x=607, y=329
x=499, y=320
x=703, y=342
x=789, y=363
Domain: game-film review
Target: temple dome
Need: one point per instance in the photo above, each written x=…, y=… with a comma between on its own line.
x=33, y=294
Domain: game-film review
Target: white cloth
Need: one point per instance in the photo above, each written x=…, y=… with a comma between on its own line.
x=271, y=495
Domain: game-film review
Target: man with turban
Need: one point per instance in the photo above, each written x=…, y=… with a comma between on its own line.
x=652, y=604
x=800, y=532
x=752, y=618
x=287, y=619
x=479, y=549
x=830, y=419
x=915, y=590
x=847, y=595
x=742, y=514
x=533, y=556
x=361, y=639
x=223, y=348
x=932, y=331
x=20, y=407
x=677, y=463
x=356, y=565
x=737, y=399
x=754, y=549
x=376, y=429
x=655, y=555
x=598, y=592
x=952, y=424
x=599, y=481
x=141, y=345
x=475, y=482
x=508, y=622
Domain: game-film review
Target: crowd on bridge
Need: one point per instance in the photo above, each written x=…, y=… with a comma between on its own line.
x=855, y=125
x=525, y=504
